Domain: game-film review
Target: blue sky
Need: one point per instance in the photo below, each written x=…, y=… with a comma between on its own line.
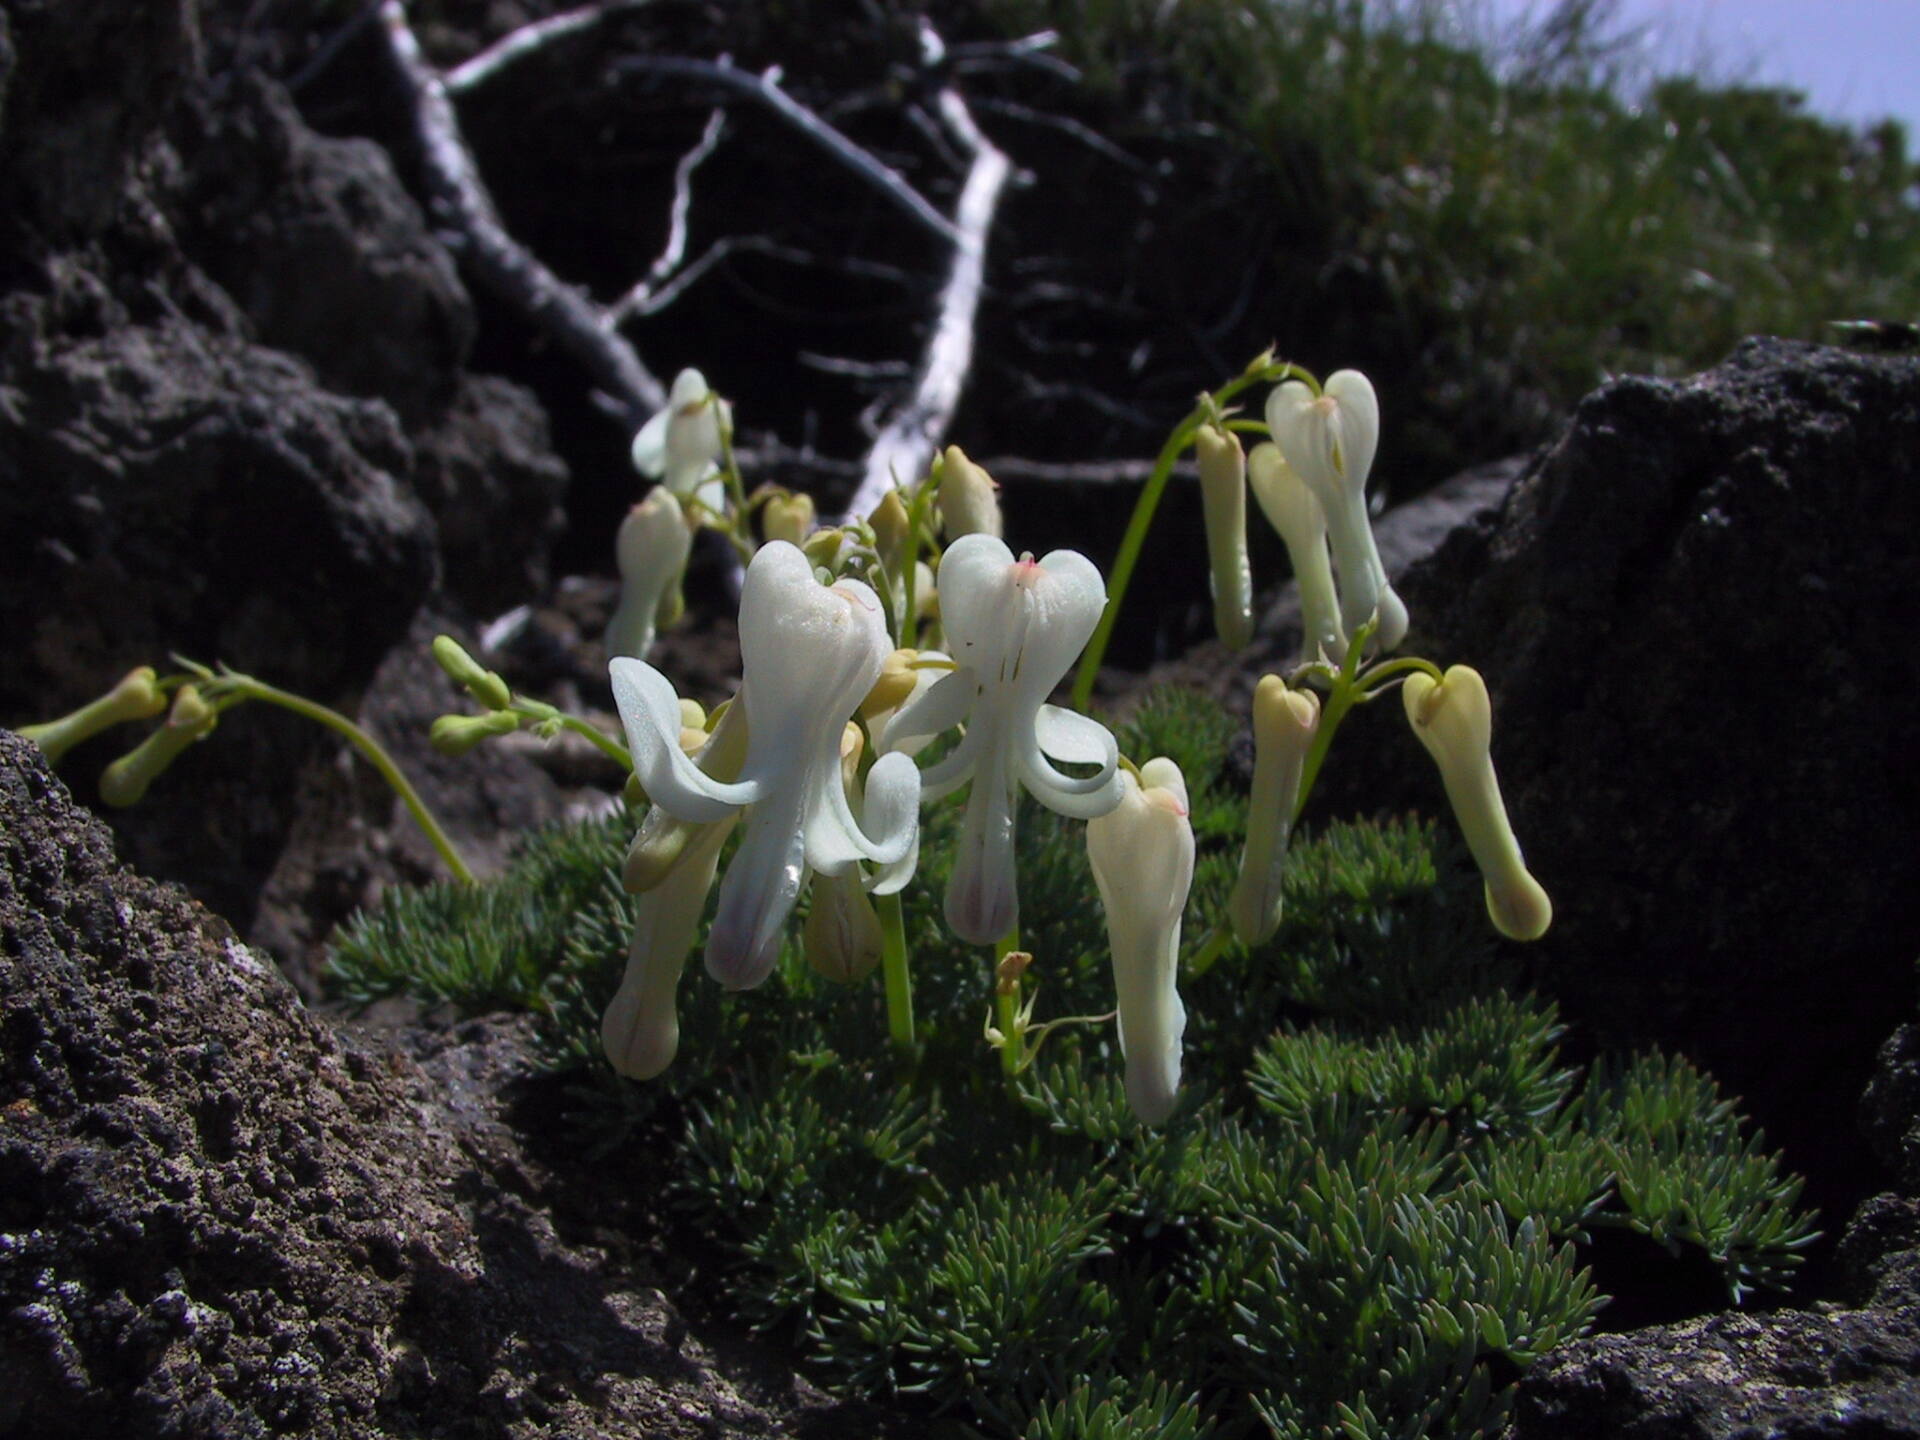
x=1858, y=60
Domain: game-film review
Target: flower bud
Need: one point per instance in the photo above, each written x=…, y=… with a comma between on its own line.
x=897, y=680
x=652, y=548
x=1297, y=518
x=481, y=683
x=136, y=697
x=969, y=500
x=1284, y=724
x=1330, y=439
x=787, y=517
x=892, y=532
x=1454, y=720
x=1223, y=499
x=640, y=1031
x=125, y=781
x=1142, y=858
x=456, y=735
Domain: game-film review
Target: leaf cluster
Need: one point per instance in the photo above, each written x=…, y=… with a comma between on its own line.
x=1385, y=1197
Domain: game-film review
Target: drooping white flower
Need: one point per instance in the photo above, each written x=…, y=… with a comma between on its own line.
x=641, y=1028
x=651, y=549
x=680, y=446
x=1014, y=628
x=1454, y=720
x=809, y=655
x=1284, y=724
x=1142, y=858
x=1330, y=440
x=1293, y=512
x=1223, y=499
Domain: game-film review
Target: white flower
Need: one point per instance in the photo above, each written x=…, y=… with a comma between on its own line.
x=809, y=655
x=1284, y=724
x=1454, y=720
x=1330, y=440
x=1223, y=499
x=1014, y=628
x=1293, y=512
x=651, y=549
x=1142, y=857
x=641, y=1030
x=680, y=446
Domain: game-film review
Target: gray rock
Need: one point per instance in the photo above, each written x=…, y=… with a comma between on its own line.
x=1695, y=616
x=219, y=1218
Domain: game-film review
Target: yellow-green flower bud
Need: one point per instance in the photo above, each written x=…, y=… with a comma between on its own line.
x=892, y=532
x=788, y=517
x=824, y=548
x=1297, y=518
x=458, y=734
x=125, y=781
x=136, y=697
x=896, y=683
x=1223, y=500
x=969, y=500
x=1284, y=724
x=482, y=684
x=1454, y=720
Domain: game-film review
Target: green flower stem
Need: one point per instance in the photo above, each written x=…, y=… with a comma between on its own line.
x=605, y=743
x=245, y=686
x=894, y=970
x=1211, y=949
x=1136, y=537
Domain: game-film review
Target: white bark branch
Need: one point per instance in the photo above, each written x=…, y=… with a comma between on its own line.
x=904, y=449
x=641, y=299
x=766, y=89
x=530, y=39
x=501, y=263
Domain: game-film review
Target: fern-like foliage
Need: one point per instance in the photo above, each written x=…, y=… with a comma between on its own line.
x=1385, y=1196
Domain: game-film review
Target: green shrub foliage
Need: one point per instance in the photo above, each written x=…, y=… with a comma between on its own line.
x=1377, y=1207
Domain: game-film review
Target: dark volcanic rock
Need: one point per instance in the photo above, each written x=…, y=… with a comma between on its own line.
x=1822, y=1374
x=1842, y=1373
x=163, y=490
x=1695, y=617
x=235, y=421
x=219, y=1218
x=319, y=243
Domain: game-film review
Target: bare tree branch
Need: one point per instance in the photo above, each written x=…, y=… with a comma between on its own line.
x=503, y=265
x=528, y=40
x=766, y=89
x=904, y=448
x=674, y=252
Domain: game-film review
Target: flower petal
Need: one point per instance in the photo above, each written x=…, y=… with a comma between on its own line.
x=940, y=706
x=982, y=893
x=650, y=714
x=1075, y=739
x=762, y=883
x=650, y=446
x=1355, y=424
